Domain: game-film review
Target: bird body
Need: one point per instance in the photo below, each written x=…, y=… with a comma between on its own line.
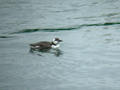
x=46, y=45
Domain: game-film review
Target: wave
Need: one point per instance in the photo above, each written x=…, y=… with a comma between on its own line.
x=3, y=36
x=65, y=28
x=44, y=30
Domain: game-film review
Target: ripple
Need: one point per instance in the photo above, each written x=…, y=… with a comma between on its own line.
x=107, y=34
x=56, y=52
x=102, y=24
x=110, y=14
x=109, y=40
x=103, y=15
x=65, y=28
x=6, y=36
x=44, y=30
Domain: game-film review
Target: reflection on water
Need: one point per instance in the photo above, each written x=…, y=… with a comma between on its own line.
x=39, y=52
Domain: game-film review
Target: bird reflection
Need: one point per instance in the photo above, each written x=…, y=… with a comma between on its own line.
x=39, y=52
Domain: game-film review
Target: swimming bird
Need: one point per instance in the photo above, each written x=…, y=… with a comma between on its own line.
x=46, y=44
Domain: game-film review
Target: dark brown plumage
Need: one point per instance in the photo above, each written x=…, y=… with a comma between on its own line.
x=46, y=44
x=42, y=45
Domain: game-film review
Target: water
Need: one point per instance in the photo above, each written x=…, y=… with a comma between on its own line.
x=88, y=59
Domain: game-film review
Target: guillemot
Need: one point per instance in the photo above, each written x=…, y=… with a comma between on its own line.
x=46, y=44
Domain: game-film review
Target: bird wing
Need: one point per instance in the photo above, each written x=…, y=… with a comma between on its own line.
x=42, y=44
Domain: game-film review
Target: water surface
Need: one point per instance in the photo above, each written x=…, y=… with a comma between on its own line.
x=88, y=59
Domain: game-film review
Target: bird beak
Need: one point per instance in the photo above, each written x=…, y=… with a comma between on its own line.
x=60, y=40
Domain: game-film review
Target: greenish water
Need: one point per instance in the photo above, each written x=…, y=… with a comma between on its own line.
x=88, y=58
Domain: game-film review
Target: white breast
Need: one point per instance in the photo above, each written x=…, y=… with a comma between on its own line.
x=55, y=46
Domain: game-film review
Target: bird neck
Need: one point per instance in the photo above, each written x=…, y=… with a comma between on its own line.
x=53, y=43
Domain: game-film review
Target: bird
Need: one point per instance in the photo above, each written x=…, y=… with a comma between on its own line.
x=54, y=44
